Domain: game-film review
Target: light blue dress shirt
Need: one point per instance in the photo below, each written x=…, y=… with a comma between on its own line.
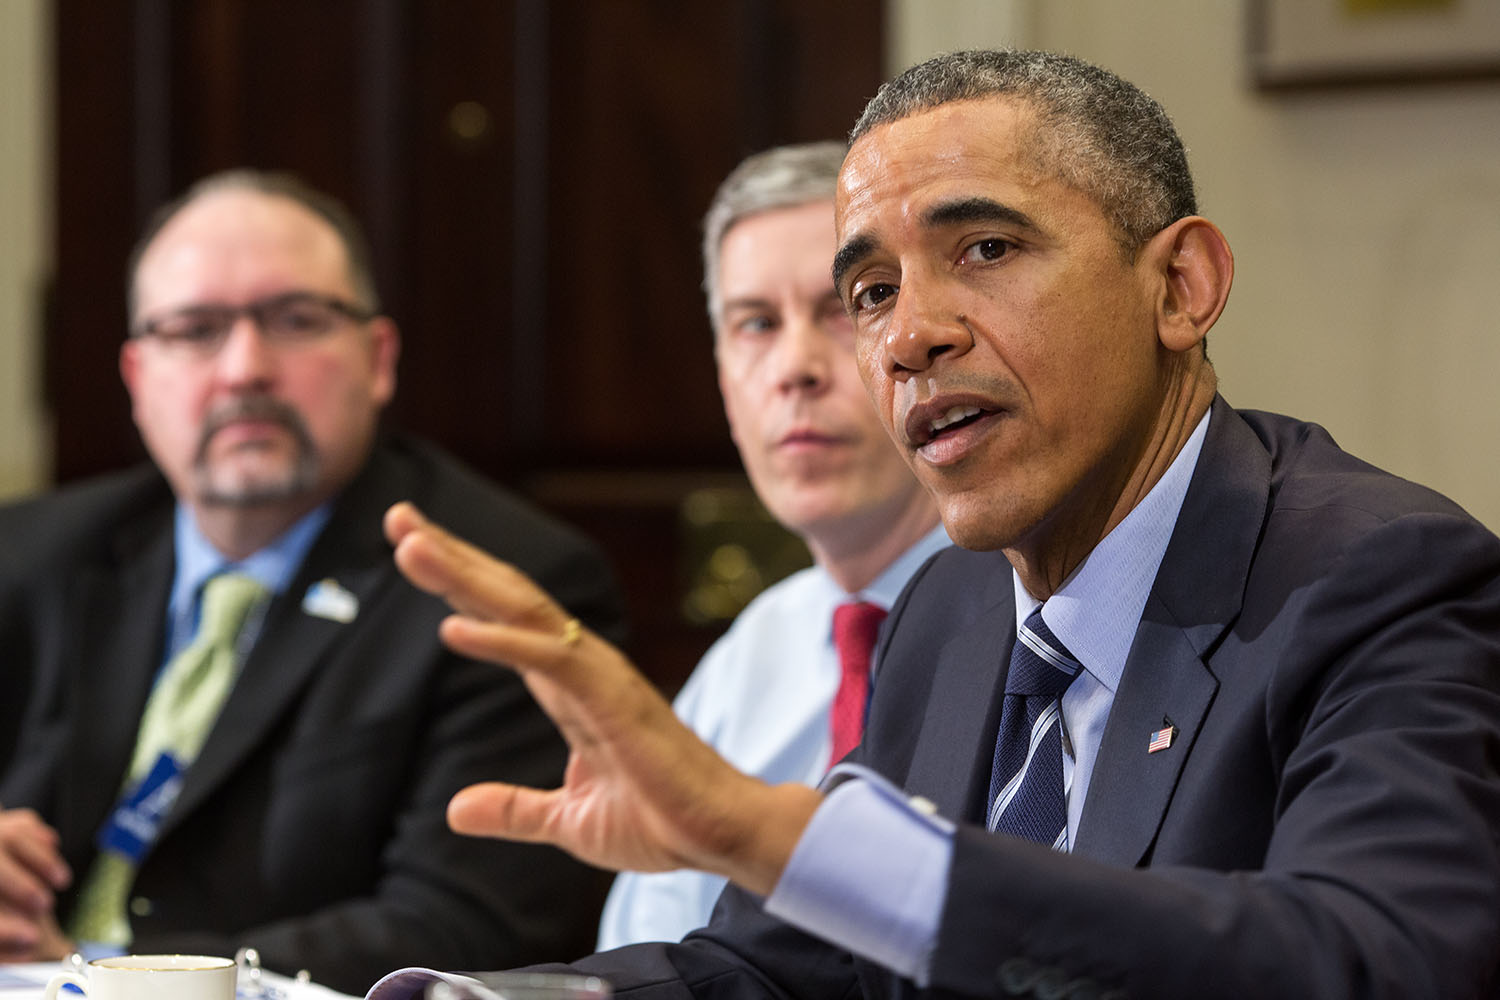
x=761, y=697
x=197, y=560
x=870, y=872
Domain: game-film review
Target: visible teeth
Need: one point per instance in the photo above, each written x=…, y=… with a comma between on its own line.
x=953, y=416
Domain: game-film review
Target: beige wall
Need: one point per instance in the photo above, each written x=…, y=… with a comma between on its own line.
x=24, y=252
x=1365, y=223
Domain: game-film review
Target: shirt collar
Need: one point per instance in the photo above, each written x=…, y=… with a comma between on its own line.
x=273, y=566
x=1096, y=612
x=886, y=587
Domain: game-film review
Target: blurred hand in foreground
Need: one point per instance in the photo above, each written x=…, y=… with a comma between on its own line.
x=31, y=871
x=641, y=790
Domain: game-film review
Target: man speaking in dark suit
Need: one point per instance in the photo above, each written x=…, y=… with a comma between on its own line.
x=241, y=729
x=1211, y=708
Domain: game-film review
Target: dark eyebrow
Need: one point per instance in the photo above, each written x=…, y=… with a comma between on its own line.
x=977, y=210
x=944, y=214
x=851, y=253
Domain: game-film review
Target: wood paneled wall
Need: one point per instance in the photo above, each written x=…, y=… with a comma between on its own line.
x=531, y=174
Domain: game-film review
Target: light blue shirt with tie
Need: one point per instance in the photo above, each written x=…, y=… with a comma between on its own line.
x=197, y=560
x=870, y=872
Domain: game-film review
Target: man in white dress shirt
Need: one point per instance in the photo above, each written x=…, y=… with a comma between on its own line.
x=820, y=461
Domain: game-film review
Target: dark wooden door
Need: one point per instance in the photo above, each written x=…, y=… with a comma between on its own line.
x=532, y=174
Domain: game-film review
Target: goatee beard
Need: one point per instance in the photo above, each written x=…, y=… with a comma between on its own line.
x=298, y=480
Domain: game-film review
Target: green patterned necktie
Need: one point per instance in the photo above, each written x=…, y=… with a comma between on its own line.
x=178, y=716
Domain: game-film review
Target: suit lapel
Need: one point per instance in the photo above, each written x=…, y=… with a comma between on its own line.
x=293, y=643
x=951, y=766
x=1198, y=592
x=120, y=610
x=1164, y=684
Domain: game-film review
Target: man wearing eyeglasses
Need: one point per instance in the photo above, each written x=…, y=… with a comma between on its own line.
x=303, y=813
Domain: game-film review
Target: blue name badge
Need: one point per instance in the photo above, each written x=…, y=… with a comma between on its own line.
x=133, y=826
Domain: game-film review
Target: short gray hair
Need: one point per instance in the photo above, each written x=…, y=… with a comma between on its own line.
x=279, y=185
x=1100, y=134
x=781, y=177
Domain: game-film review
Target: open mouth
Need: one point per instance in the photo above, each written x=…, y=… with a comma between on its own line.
x=955, y=418
x=946, y=423
x=943, y=432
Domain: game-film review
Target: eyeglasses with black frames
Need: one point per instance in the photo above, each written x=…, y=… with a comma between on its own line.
x=290, y=318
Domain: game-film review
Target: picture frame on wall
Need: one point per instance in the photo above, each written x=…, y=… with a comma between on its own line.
x=1301, y=43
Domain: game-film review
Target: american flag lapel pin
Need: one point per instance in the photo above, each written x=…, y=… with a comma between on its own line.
x=1162, y=738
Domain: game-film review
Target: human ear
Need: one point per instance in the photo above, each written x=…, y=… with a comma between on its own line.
x=385, y=339
x=130, y=363
x=1193, y=261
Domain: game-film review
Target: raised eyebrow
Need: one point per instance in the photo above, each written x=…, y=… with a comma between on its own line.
x=977, y=210
x=850, y=254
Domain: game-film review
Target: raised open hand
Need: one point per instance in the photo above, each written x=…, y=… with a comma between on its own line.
x=641, y=790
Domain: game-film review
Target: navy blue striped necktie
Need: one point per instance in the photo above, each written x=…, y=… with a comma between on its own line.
x=1026, y=786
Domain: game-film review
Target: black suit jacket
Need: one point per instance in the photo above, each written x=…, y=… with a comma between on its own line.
x=1326, y=638
x=311, y=826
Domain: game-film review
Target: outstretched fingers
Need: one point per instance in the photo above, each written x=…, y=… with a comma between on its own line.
x=578, y=679
x=473, y=582
x=495, y=809
x=501, y=615
x=641, y=790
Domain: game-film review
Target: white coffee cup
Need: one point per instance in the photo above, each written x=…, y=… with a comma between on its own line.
x=151, y=977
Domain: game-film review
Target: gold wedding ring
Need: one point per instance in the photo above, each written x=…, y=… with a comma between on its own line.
x=572, y=631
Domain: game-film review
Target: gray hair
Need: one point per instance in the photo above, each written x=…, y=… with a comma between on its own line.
x=1100, y=134
x=278, y=185
x=781, y=177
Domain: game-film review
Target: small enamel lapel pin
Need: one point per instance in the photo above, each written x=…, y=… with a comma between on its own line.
x=328, y=599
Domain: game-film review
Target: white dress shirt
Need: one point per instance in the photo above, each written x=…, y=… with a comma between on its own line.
x=760, y=696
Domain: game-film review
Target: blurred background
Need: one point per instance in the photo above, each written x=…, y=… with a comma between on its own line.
x=532, y=174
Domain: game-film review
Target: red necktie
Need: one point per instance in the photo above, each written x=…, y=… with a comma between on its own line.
x=854, y=628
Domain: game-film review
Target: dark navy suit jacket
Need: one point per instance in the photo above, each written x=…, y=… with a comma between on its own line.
x=1326, y=639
